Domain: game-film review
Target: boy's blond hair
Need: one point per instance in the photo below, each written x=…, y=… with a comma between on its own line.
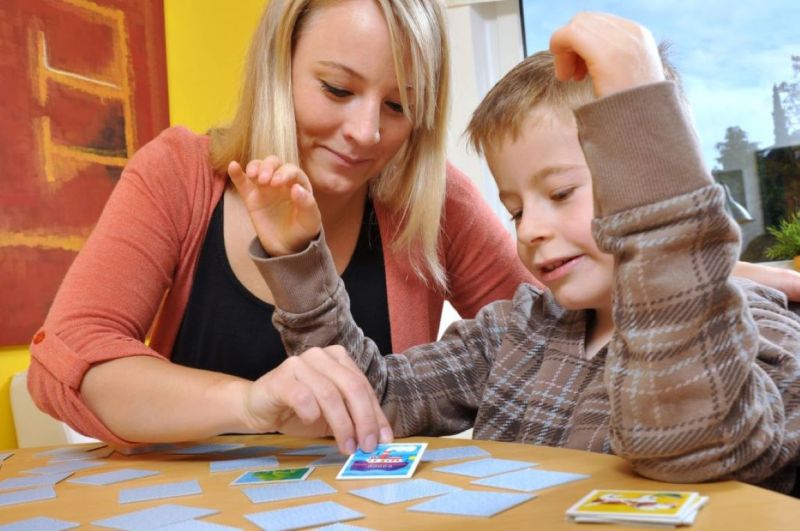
x=529, y=86
x=413, y=183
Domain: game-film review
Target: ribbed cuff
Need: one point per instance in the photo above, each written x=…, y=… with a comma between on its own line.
x=299, y=282
x=641, y=147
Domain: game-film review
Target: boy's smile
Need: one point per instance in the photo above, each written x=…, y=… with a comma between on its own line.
x=546, y=186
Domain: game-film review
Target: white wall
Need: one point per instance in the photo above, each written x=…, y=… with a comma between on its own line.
x=486, y=41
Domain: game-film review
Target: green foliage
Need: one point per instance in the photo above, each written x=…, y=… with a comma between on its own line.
x=787, y=236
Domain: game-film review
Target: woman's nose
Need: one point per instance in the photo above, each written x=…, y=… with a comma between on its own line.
x=363, y=123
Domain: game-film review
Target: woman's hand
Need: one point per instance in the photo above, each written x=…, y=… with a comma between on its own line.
x=280, y=202
x=618, y=54
x=784, y=280
x=319, y=393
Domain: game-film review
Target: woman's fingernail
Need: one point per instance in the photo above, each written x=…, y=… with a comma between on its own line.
x=350, y=446
x=370, y=442
x=386, y=435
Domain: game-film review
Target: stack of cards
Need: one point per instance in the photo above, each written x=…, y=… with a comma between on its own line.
x=646, y=507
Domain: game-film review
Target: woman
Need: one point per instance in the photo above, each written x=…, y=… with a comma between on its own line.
x=369, y=130
x=355, y=93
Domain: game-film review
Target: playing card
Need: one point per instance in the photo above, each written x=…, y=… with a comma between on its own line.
x=228, y=465
x=115, y=476
x=27, y=495
x=157, y=492
x=459, y=452
x=33, y=481
x=146, y=448
x=70, y=453
x=66, y=466
x=331, y=459
x=277, y=475
x=395, y=460
x=250, y=451
x=403, y=491
x=288, y=491
x=39, y=523
x=5, y=455
x=154, y=517
x=197, y=525
x=342, y=527
x=303, y=516
x=208, y=448
x=666, y=507
x=314, y=449
x=529, y=479
x=472, y=503
x=484, y=467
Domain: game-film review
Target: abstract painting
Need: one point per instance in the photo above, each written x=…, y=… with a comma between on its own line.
x=84, y=87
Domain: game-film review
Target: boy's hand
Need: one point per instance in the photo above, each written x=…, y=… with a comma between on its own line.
x=280, y=202
x=617, y=53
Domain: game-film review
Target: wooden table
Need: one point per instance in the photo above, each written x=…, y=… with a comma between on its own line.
x=732, y=505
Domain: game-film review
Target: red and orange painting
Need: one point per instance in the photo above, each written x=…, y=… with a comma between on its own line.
x=84, y=85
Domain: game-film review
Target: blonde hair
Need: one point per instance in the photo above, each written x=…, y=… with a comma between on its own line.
x=529, y=86
x=412, y=185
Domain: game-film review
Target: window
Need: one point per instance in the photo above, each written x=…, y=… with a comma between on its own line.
x=740, y=64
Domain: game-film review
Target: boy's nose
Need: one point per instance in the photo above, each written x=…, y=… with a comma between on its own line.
x=532, y=229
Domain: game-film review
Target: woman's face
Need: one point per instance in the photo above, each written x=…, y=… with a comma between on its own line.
x=347, y=101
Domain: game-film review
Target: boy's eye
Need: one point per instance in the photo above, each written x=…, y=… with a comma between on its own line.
x=515, y=216
x=562, y=193
x=335, y=91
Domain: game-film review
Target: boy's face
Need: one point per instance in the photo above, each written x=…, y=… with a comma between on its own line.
x=546, y=186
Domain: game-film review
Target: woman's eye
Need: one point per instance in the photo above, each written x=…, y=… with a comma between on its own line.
x=562, y=193
x=515, y=216
x=395, y=107
x=335, y=91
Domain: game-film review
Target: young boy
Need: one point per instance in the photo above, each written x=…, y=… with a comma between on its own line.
x=643, y=345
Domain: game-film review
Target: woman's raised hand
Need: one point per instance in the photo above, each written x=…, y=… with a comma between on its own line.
x=618, y=54
x=280, y=202
x=318, y=393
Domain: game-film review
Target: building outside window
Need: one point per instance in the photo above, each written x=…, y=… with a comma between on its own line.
x=740, y=65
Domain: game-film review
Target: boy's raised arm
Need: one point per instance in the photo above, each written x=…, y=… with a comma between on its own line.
x=702, y=374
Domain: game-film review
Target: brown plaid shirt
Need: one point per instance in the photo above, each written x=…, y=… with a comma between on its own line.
x=701, y=380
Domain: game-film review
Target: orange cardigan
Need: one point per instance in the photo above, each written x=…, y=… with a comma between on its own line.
x=138, y=265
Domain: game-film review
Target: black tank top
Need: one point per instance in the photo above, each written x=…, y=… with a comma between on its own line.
x=227, y=329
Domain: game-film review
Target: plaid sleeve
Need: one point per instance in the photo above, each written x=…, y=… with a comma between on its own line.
x=702, y=374
x=429, y=389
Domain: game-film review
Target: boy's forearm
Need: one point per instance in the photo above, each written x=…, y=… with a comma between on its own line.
x=688, y=400
x=143, y=399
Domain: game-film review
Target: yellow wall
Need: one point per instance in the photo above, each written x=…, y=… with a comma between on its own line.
x=206, y=44
x=12, y=361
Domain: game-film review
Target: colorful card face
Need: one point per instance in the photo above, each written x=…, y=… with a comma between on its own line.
x=278, y=475
x=396, y=460
x=666, y=506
